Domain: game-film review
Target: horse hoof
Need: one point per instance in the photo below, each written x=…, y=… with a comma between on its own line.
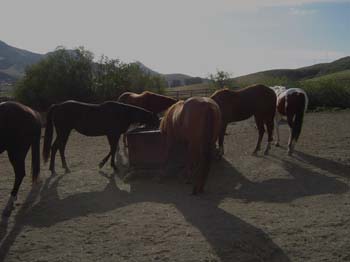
x=266, y=153
x=67, y=171
x=277, y=145
x=255, y=153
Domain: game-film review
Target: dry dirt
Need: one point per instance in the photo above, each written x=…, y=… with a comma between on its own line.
x=274, y=208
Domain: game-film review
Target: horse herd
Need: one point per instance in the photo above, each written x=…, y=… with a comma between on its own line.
x=199, y=122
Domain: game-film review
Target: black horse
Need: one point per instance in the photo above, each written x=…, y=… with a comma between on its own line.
x=109, y=119
x=20, y=129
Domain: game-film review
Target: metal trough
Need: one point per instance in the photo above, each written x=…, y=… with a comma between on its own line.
x=146, y=148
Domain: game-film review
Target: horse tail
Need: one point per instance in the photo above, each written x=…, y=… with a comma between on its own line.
x=48, y=134
x=206, y=152
x=299, y=117
x=36, y=157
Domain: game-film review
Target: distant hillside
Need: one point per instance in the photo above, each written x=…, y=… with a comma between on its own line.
x=13, y=62
x=174, y=80
x=293, y=75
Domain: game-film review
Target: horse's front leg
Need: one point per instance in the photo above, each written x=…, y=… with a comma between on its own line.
x=221, y=140
x=113, y=142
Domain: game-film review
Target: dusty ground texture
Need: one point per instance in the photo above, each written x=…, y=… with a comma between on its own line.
x=274, y=208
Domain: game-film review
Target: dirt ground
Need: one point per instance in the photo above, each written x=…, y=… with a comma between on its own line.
x=274, y=208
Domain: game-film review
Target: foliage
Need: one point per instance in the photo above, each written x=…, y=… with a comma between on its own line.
x=72, y=74
x=327, y=93
x=220, y=79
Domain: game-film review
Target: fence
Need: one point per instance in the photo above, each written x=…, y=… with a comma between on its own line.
x=184, y=94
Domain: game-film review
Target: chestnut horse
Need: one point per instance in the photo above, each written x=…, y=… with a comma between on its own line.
x=150, y=101
x=195, y=122
x=20, y=129
x=256, y=100
x=109, y=119
x=291, y=104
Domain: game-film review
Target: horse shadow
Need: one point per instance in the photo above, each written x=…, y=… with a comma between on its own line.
x=301, y=182
x=328, y=165
x=229, y=236
x=9, y=236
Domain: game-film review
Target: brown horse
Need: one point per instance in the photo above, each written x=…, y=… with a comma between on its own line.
x=195, y=122
x=150, y=101
x=256, y=100
x=291, y=104
x=20, y=129
x=109, y=119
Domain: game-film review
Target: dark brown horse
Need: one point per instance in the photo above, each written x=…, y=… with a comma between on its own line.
x=20, y=129
x=195, y=122
x=109, y=119
x=291, y=104
x=150, y=101
x=256, y=100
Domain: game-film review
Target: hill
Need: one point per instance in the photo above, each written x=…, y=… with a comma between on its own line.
x=13, y=62
x=280, y=76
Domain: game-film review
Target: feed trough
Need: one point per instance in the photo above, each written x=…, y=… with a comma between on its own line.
x=147, y=150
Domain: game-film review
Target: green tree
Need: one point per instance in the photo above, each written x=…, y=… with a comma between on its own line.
x=221, y=79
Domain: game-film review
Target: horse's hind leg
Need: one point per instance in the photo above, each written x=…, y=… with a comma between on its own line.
x=260, y=125
x=269, y=126
x=17, y=161
x=104, y=160
x=54, y=149
x=291, y=139
x=62, y=148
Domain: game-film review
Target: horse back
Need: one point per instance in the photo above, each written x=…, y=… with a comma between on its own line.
x=18, y=124
x=238, y=105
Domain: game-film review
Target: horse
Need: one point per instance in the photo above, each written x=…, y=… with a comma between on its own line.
x=20, y=129
x=256, y=100
x=109, y=119
x=150, y=101
x=153, y=102
x=195, y=122
x=292, y=104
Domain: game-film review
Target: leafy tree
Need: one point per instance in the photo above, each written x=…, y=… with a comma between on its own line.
x=72, y=74
x=221, y=79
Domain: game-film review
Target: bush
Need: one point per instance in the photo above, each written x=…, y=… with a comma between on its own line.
x=327, y=93
x=72, y=74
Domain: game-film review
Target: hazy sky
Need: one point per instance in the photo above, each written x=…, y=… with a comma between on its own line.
x=194, y=37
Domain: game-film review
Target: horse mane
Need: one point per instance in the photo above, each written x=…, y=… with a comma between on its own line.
x=169, y=115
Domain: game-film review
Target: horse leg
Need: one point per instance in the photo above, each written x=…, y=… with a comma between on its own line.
x=291, y=139
x=277, y=120
x=18, y=164
x=62, y=147
x=113, y=141
x=260, y=125
x=104, y=160
x=54, y=149
x=221, y=139
x=269, y=127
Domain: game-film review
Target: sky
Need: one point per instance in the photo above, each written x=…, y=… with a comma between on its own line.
x=195, y=37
